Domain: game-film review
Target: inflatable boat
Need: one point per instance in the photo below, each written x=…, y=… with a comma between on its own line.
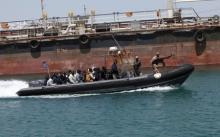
x=174, y=77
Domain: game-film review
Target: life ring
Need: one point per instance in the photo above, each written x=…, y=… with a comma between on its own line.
x=200, y=36
x=84, y=39
x=34, y=44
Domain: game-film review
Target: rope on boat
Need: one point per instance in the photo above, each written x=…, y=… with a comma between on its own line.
x=122, y=49
x=116, y=42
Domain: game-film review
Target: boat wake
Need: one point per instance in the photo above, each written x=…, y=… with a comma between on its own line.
x=9, y=88
x=152, y=89
x=64, y=96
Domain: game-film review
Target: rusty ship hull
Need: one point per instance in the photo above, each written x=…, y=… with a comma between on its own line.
x=80, y=42
x=63, y=55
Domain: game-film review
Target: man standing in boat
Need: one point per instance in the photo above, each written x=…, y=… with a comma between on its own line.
x=137, y=65
x=157, y=60
x=114, y=69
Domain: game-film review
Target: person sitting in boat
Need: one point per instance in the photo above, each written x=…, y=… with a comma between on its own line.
x=56, y=79
x=136, y=66
x=96, y=73
x=89, y=76
x=60, y=79
x=115, y=72
x=76, y=77
x=50, y=82
x=84, y=74
x=157, y=60
x=63, y=78
x=103, y=72
x=71, y=77
x=81, y=76
x=45, y=80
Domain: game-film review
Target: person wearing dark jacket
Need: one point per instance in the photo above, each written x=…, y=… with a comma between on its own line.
x=104, y=73
x=115, y=73
x=137, y=65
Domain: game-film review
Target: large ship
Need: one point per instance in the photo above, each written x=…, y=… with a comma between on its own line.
x=79, y=42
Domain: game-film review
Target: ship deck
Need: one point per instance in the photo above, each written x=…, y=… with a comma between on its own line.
x=120, y=23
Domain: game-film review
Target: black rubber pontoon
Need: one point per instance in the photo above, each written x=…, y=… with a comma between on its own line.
x=171, y=78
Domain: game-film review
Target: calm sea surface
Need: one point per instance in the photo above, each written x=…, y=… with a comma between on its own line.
x=190, y=111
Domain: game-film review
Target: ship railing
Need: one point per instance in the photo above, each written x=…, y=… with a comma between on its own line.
x=112, y=22
x=100, y=18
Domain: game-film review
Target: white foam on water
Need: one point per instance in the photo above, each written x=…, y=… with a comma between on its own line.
x=8, y=88
x=159, y=89
x=151, y=89
x=63, y=96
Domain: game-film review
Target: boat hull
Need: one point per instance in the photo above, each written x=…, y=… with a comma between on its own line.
x=172, y=78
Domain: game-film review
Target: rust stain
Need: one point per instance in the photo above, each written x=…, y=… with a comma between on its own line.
x=70, y=60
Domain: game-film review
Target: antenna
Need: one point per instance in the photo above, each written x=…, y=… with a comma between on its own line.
x=84, y=6
x=42, y=8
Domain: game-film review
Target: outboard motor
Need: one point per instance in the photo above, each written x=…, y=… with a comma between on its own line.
x=36, y=83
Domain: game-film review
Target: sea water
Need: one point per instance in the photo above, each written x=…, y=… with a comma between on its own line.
x=192, y=110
